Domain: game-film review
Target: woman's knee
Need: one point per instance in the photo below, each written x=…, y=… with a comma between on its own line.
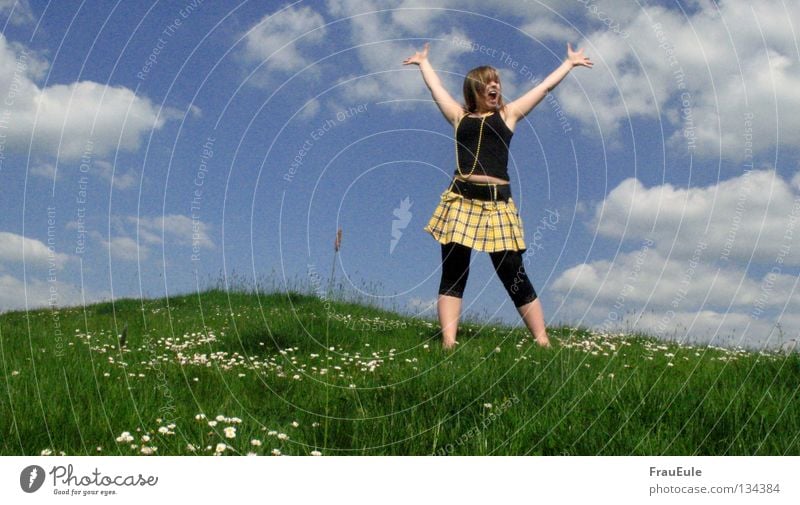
x=455, y=269
x=511, y=271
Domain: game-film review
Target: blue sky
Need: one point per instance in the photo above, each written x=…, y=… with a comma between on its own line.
x=149, y=149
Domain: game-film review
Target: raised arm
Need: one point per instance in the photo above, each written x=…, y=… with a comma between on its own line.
x=520, y=107
x=451, y=109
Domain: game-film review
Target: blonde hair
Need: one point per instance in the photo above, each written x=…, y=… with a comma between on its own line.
x=474, y=84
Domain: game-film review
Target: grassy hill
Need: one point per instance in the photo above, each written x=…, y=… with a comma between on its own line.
x=294, y=374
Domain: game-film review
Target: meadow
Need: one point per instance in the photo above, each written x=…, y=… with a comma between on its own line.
x=242, y=373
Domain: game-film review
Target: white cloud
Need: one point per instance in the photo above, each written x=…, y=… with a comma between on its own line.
x=744, y=218
x=279, y=38
x=182, y=229
x=310, y=109
x=122, y=248
x=709, y=261
x=18, y=11
x=549, y=29
x=31, y=252
x=133, y=238
x=69, y=120
x=374, y=33
x=120, y=180
x=46, y=170
x=723, y=64
x=35, y=293
x=647, y=277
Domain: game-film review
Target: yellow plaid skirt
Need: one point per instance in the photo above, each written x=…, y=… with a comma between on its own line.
x=481, y=225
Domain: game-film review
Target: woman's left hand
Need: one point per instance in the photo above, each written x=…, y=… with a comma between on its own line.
x=577, y=59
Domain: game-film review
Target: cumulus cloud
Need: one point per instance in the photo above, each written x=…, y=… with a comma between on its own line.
x=31, y=252
x=703, y=73
x=134, y=238
x=46, y=170
x=18, y=12
x=383, y=78
x=69, y=120
x=281, y=39
x=707, y=262
x=122, y=248
x=745, y=217
x=121, y=180
x=182, y=229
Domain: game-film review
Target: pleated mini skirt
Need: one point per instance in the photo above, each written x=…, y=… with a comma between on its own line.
x=487, y=226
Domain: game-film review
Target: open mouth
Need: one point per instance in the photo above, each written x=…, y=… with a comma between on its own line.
x=493, y=94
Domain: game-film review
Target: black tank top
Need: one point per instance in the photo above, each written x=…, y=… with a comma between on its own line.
x=493, y=155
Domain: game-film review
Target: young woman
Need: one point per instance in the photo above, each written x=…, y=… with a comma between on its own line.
x=476, y=211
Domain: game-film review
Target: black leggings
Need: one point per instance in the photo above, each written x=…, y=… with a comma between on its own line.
x=507, y=264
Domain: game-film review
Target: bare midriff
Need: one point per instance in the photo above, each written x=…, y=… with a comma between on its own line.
x=483, y=179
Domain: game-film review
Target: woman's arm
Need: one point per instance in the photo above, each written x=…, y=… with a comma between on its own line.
x=523, y=105
x=451, y=109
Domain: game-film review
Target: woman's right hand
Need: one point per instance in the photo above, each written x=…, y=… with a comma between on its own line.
x=418, y=57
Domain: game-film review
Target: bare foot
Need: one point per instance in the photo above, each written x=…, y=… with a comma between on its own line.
x=448, y=344
x=543, y=342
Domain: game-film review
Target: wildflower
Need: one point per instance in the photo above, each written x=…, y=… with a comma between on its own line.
x=212, y=423
x=487, y=405
x=315, y=425
x=255, y=442
x=230, y=432
x=125, y=437
x=220, y=448
x=295, y=424
x=200, y=416
x=15, y=372
x=163, y=430
x=46, y=452
x=191, y=447
x=316, y=453
x=296, y=377
x=99, y=449
x=147, y=451
x=220, y=418
x=272, y=433
x=145, y=438
x=282, y=436
x=252, y=454
x=276, y=452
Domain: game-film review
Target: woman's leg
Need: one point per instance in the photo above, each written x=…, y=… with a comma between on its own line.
x=455, y=271
x=511, y=270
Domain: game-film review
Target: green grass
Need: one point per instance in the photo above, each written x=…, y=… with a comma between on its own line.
x=359, y=380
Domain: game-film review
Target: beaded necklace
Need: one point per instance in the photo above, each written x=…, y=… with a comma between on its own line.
x=477, y=149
